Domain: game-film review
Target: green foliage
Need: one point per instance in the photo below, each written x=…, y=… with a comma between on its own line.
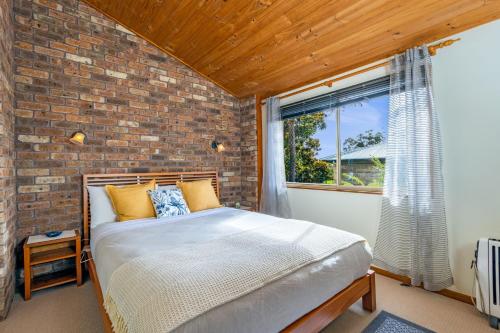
x=351, y=180
x=363, y=140
x=301, y=148
x=380, y=167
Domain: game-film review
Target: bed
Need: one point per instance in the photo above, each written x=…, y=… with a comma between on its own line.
x=304, y=298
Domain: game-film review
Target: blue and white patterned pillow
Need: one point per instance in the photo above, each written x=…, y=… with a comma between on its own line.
x=168, y=202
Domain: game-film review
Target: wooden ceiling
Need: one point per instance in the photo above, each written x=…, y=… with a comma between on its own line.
x=265, y=47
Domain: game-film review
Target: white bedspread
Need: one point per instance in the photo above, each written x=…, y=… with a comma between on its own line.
x=153, y=244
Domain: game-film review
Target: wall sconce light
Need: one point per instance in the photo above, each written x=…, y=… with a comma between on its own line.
x=218, y=146
x=78, y=138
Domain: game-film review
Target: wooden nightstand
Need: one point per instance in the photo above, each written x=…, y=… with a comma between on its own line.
x=41, y=249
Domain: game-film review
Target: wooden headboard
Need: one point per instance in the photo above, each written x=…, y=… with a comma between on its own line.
x=161, y=178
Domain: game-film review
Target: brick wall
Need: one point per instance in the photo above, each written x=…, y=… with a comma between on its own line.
x=141, y=109
x=7, y=175
x=248, y=153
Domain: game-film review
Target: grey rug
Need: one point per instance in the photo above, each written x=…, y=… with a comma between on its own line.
x=389, y=323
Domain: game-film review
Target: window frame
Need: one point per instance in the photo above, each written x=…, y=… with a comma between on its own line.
x=335, y=188
x=338, y=163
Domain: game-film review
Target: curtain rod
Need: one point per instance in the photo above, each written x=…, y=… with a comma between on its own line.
x=329, y=83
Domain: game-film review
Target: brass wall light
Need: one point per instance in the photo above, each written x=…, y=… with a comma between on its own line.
x=78, y=138
x=218, y=146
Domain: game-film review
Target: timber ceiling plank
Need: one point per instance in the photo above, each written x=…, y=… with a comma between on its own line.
x=266, y=27
x=442, y=30
x=384, y=47
x=226, y=23
x=269, y=46
x=351, y=40
x=332, y=35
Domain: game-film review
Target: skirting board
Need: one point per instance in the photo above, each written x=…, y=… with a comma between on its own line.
x=406, y=280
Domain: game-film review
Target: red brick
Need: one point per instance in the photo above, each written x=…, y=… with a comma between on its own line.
x=64, y=156
x=65, y=109
x=34, y=205
x=33, y=188
x=33, y=72
x=176, y=99
x=28, y=155
x=23, y=79
x=117, y=143
x=78, y=119
x=50, y=4
x=33, y=172
x=91, y=40
x=49, y=52
x=79, y=43
x=47, y=115
x=49, y=131
x=24, y=46
x=91, y=156
x=63, y=47
x=33, y=106
x=92, y=98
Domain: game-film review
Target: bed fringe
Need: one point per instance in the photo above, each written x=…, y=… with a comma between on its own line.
x=118, y=323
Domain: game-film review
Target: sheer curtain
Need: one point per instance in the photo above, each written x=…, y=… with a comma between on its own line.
x=412, y=239
x=274, y=198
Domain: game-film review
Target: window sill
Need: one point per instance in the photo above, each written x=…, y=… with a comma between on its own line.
x=326, y=187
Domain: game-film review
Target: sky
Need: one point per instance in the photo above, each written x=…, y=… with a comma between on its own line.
x=354, y=119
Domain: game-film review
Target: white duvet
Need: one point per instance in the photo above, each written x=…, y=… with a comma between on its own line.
x=163, y=273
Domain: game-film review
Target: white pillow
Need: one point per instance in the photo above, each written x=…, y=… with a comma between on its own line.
x=101, y=208
x=166, y=187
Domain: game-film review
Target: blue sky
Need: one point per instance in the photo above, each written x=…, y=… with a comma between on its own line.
x=354, y=119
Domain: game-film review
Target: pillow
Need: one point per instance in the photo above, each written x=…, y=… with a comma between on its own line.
x=101, y=208
x=199, y=194
x=132, y=202
x=168, y=202
x=166, y=187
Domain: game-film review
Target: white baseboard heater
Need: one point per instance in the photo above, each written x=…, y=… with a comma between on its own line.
x=487, y=274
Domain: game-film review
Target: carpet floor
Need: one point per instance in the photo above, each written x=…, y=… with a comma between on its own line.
x=70, y=309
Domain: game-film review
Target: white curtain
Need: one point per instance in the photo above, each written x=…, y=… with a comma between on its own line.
x=274, y=198
x=412, y=239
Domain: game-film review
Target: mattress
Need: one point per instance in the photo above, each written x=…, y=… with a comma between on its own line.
x=267, y=309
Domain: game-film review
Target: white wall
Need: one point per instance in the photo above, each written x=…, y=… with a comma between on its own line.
x=467, y=96
x=355, y=212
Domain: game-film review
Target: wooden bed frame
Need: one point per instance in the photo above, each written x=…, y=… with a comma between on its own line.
x=313, y=321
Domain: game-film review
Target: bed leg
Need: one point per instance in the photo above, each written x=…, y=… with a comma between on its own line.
x=370, y=298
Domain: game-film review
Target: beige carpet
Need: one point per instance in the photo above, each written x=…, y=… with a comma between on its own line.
x=70, y=309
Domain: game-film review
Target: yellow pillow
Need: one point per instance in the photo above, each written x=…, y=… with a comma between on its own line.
x=199, y=194
x=132, y=202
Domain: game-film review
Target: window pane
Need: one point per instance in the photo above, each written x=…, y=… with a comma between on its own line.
x=363, y=133
x=310, y=142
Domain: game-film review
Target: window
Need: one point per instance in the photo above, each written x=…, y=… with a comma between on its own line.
x=338, y=138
